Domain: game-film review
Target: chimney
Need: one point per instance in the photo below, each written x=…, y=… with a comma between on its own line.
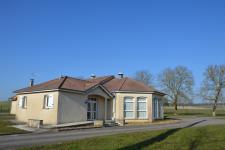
x=93, y=76
x=120, y=74
x=31, y=82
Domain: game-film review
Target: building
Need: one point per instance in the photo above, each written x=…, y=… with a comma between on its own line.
x=67, y=99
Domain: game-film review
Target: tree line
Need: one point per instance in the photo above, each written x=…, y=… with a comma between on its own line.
x=178, y=84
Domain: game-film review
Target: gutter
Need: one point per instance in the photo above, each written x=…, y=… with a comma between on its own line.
x=141, y=92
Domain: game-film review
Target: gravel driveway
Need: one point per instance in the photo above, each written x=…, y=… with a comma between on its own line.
x=23, y=140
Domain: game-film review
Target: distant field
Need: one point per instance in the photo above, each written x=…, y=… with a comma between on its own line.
x=194, y=111
x=4, y=106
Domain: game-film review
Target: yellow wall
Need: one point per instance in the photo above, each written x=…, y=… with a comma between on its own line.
x=13, y=107
x=35, y=109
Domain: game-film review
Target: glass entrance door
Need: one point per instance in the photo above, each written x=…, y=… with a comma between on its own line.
x=92, y=109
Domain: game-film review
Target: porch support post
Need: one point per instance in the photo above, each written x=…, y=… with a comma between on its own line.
x=106, y=110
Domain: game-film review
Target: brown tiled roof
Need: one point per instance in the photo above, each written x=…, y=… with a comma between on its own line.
x=96, y=81
x=49, y=85
x=69, y=83
x=110, y=83
x=73, y=84
x=127, y=84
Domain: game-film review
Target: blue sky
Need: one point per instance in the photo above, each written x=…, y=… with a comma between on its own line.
x=78, y=38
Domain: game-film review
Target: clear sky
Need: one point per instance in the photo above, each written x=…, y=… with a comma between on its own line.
x=78, y=38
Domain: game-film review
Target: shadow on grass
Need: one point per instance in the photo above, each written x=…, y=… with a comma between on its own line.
x=158, y=138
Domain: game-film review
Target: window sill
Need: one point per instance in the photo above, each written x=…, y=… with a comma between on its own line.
x=129, y=118
x=23, y=108
x=47, y=108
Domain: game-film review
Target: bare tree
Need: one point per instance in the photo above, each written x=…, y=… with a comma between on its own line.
x=177, y=83
x=213, y=85
x=144, y=77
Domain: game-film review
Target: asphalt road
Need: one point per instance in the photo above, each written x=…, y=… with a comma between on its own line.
x=26, y=140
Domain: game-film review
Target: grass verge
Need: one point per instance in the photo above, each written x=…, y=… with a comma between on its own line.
x=5, y=125
x=208, y=137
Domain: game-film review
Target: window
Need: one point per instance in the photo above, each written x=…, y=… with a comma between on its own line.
x=23, y=102
x=92, y=109
x=160, y=108
x=128, y=108
x=48, y=101
x=157, y=108
x=141, y=108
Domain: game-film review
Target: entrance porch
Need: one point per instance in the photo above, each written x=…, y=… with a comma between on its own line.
x=99, y=107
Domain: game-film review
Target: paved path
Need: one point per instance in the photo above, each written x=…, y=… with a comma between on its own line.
x=23, y=140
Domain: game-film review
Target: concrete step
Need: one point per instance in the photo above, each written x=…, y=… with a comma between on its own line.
x=72, y=124
x=109, y=123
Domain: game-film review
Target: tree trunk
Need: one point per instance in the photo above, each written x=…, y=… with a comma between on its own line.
x=175, y=106
x=215, y=102
x=214, y=108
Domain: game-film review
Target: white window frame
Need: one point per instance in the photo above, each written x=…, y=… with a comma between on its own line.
x=23, y=102
x=142, y=100
x=129, y=100
x=46, y=102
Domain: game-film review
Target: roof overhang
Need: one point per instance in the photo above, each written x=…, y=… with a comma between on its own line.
x=69, y=90
x=14, y=98
x=41, y=91
x=142, y=92
x=52, y=90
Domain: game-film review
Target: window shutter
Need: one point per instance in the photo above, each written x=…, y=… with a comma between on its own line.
x=50, y=101
x=21, y=102
x=44, y=103
x=25, y=102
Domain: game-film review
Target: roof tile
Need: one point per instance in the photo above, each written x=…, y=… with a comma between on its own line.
x=109, y=82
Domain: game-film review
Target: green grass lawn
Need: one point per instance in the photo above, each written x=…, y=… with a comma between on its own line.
x=5, y=125
x=199, y=138
x=194, y=112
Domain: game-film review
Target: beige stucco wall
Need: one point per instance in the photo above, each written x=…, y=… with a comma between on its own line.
x=119, y=111
x=72, y=107
x=35, y=108
x=13, y=107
